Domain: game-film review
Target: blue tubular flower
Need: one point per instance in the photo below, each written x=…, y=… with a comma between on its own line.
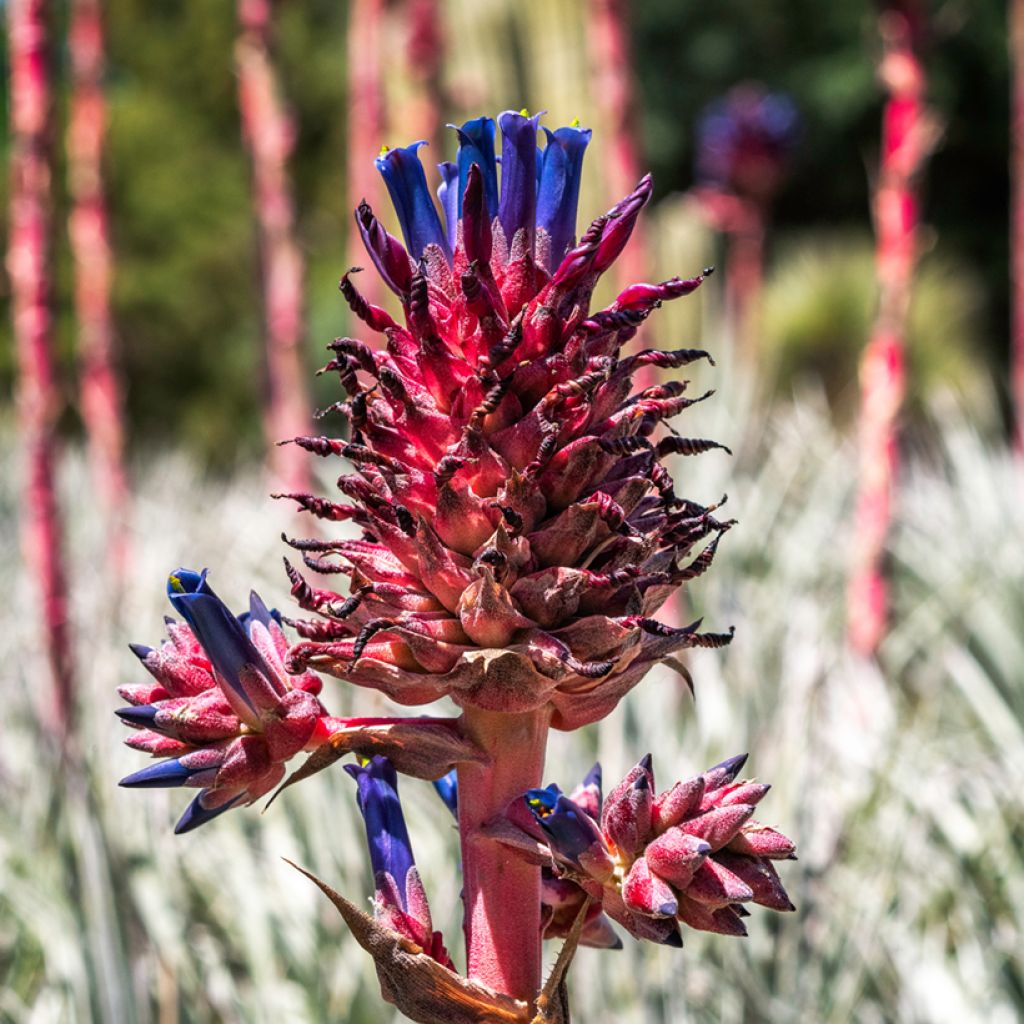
x=386, y=834
x=450, y=199
x=518, y=207
x=143, y=715
x=559, y=189
x=163, y=775
x=198, y=813
x=570, y=830
x=407, y=184
x=476, y=146
x=225, y=641
x=196, y=768
x=746, y=139
x=258, y=612
x=447, y=788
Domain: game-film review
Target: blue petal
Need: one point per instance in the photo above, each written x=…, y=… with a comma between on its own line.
x=196, y=814
x=518, y=207
x=542, y=801
x=141, y=651
x=593, y=777
x=407, y=184
x=448, y=790
x=476, y=146
x=569, y=829
x=559, y=191
x=141, y=715
x=448, y=197
x=222, y=636
x=162, y=775
x=386, y=834
x=258, y=612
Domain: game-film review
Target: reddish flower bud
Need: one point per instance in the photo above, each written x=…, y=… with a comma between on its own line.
x=646, y=893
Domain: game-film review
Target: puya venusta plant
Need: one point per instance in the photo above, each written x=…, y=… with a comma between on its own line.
x=517, y=531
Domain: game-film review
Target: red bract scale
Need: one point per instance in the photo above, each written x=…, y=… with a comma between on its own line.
x=519, y=527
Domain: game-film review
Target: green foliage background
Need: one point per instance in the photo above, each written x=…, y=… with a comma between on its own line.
x=186, y=295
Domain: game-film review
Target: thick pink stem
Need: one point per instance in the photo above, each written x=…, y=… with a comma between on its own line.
x=270, y=136
x=101, y=398
x=500, y=892
x=29, y=257
x=907, y=135
x=1017, y=221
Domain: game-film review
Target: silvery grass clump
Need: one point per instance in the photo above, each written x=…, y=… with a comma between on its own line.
x=518, y=533
x=879, y=771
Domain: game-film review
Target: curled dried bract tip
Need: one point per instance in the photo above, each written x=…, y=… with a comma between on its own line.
x=420, y=987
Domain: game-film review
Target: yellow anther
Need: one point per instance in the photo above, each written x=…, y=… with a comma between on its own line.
x=540, y=807
x=176, y=584
x=524, y=112
x=574, y=123
x=384, y=150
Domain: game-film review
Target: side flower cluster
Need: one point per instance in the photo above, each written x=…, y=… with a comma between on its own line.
x=227, y=716
x=221, y=704
x=693, y=854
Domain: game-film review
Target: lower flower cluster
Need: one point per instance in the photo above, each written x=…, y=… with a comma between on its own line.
x=693, y=854
x=221, y=704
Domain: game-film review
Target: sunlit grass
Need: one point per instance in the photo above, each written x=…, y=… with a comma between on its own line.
x=903, y=783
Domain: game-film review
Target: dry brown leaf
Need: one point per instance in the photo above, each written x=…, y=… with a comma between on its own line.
x=424, y=752
x=417, y=984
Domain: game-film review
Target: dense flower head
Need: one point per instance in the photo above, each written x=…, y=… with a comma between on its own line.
x=746, y=141
x=519, y=528
x=221, y=705
x=692, y=854
x=400, y=902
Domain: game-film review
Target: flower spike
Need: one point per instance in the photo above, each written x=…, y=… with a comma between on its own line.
x=519, y=527
x=508, y=530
